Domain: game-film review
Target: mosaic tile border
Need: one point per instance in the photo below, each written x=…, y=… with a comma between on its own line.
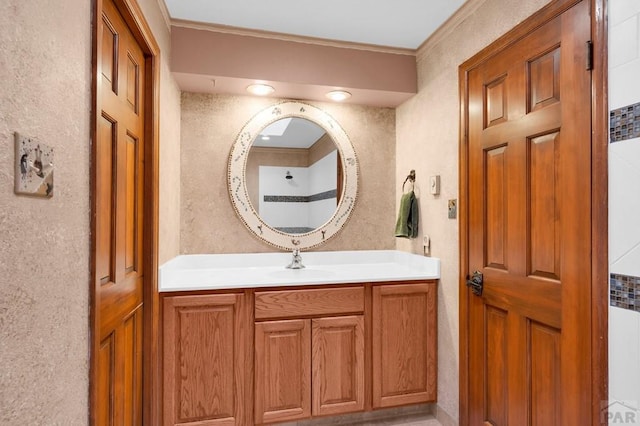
x=624, y=123
x=624, y=292
x=295, y=229
x=301, y=198
x=286, y=198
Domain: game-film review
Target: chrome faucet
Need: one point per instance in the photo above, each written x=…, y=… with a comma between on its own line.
x=296, y=261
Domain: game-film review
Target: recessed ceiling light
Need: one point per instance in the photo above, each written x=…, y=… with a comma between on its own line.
x=338, y=95
x=260, y=89
x=265, y=138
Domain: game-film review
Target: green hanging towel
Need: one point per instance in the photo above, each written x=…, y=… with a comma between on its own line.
x=407, y=224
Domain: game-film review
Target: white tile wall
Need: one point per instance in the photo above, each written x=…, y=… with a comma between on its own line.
x=623, y=44
x=624, y=343
x=624, y=202
x=624, y=52
x=624, y=88
x=624, y=199
x=620, y=10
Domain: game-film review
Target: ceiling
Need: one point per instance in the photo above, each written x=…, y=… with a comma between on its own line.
x=399, y=23
x=304, y=49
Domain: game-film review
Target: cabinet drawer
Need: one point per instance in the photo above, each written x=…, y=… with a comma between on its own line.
x=292, y=303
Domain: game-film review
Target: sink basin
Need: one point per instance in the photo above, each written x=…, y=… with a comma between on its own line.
x=254, y=270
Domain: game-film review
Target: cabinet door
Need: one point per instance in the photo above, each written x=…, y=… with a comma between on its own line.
x=283, y=370
x=338, y=365
x=206, y=360
x=404, y=344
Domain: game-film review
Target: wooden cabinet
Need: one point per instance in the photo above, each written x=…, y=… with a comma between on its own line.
x=283, y=370
x=207, y=360
x=309, y=366
x=337, y=365
x=262, y=357
x=404, y=344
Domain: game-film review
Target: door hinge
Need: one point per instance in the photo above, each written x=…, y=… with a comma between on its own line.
x=589, y=55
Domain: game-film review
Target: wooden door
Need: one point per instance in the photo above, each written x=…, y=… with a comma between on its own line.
x=337, y=365
x=404, y=344
x=282, y=370
x=207, y=378
x=529, y=229
x=119, y=211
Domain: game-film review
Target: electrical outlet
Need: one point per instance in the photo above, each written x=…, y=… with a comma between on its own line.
x=426, y=242
x=434, y=184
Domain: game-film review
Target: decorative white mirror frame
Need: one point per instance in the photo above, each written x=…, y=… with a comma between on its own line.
x=238, y=187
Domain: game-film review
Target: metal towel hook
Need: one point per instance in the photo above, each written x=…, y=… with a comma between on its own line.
x=411, y=177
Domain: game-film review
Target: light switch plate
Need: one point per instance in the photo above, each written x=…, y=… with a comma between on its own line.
x=33, y=167
x=434, y=184
x=453, y=209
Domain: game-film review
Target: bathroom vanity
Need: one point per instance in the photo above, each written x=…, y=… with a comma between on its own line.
x=246, y=341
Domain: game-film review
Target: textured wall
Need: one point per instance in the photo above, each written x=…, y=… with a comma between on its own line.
x=44, y=248
x=210, y=124
x=428, y=141
x=45, y=92
x=169, y=180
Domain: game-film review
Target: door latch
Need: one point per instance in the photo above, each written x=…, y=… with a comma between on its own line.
x=476, y=283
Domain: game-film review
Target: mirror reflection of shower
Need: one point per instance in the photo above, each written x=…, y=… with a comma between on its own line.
x=308, y=158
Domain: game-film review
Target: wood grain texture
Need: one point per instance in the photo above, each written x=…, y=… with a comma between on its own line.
x=296, y=303
x=105, y=410
x=205, y=354
x=404, y=344
x=496, y=188
x=119, y=206
x=337, y=365
x=544, y=85
x=600, y=220
x=549, y=223
x=282, y=370
x=543, y=213
x=544, y=367
x=497, y=403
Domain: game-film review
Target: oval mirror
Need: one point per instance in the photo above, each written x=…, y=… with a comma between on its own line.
x=293, y=176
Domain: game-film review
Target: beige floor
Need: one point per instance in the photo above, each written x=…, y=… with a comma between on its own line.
x=414, y=420
x=406, y=420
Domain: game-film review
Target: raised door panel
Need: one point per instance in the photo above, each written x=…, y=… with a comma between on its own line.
x=117, y=320
x=205, y=360
x=120, y=374
x=282, y=370
x=404, y=344
x=338, y=365
x=105, y=409
x=529, y=231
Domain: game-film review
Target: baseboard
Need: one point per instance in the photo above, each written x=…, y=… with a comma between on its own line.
x=367, y=417
x=443, y=417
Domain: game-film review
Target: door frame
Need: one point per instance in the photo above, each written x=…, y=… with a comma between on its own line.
x=151, y=383
x=599, y=191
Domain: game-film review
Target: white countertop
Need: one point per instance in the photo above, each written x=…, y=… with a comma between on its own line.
x=256, y=270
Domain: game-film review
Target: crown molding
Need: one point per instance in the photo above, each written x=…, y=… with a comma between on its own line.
x=444, y=30
x=226, y=29
x=164, y=10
